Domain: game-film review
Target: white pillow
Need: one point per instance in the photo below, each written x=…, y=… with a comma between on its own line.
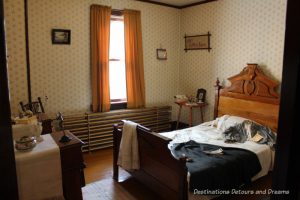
x=227, y=121
x=220, y=121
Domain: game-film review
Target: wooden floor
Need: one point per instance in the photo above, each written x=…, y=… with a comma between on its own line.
x=98, y=165
x=99, y=168
x=98, y=175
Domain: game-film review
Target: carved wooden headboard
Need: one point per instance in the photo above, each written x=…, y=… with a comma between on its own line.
x=251, y=95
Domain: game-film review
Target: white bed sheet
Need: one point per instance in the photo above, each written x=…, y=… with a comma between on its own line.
x=204, y=133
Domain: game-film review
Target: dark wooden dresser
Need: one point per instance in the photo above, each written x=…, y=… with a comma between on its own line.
x=72, y=165
x=46, y=122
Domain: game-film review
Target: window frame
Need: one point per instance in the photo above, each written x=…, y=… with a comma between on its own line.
x=116, y=104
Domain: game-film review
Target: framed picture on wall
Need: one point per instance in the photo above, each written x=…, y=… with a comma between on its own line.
x=61, y=36
x=161, y=54
x=201, y=93
x=197, y=42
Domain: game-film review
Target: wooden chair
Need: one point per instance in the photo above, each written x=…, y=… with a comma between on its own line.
x=37, y=109
x=34, y=106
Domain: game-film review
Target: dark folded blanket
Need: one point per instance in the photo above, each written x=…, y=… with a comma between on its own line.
x=221, y=171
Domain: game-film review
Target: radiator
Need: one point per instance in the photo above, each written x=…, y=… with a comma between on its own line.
x=95, y=129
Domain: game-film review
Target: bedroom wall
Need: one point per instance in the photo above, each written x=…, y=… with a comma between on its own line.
x=62, y=72
x=16, y=58
x=242, y=32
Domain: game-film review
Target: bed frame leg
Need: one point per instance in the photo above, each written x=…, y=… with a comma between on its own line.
x=116, y=172
x=115, y=166
x=115, y=153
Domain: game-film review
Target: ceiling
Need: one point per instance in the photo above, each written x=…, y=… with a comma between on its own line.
x=177, y=3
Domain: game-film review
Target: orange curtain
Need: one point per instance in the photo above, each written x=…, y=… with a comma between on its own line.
x=134, y=59
x=100, y=30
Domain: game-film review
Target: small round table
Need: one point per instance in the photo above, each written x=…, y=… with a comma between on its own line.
x=190, y=106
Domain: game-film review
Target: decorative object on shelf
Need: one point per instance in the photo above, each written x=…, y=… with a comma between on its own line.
x=21, y=114
x=30, y=130
x=201, y=93
x=180, y=98
x=197, y=42
x=61, y=36
x=58, y=125
x=28, y=113
x=192, y=99
x=161, y=54
x=25, y=143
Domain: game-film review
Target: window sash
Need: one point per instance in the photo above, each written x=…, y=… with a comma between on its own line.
x=117, y=62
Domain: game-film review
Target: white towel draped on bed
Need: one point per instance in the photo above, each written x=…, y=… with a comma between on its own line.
x=128, y=152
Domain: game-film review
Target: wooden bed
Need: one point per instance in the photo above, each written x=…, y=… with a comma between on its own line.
x=251, y=95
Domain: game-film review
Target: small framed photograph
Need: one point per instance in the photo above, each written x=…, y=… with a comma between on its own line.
x=161, y=54
x=201, y=93
x=197, y=42
x=61, y=36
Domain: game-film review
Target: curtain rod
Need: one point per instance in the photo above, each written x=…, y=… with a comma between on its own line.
x=117, y=12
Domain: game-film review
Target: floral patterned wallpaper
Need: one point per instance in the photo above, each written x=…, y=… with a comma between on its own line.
x=242, y=32
x=62, y=72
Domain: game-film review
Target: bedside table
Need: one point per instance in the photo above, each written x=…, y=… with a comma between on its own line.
x=190, y=106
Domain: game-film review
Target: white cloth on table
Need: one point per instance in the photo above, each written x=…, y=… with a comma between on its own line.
x=39, y=171
x=128, y=152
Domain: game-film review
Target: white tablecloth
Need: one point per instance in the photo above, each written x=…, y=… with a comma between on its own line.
x=39, y=171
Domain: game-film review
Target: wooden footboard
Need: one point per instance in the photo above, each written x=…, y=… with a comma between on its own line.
x=159, y=170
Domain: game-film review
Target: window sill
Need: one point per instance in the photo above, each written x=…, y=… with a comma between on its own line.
x=118, y=105
x=118, y=102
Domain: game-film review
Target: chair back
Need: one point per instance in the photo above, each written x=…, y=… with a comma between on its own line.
x=34, y=106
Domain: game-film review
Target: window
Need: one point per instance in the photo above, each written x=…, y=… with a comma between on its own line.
x=108, y=56
x=117, y=76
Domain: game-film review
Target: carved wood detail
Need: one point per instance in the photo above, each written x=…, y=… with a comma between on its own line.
x=251, y=95
x=252, y=83
x=218, y=87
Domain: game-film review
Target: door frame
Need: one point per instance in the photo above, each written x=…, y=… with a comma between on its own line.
x=9, y=187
